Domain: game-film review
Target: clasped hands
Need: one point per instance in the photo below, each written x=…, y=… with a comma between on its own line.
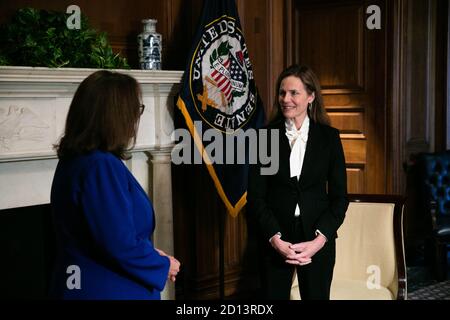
x=298, y=253
x=174, y=265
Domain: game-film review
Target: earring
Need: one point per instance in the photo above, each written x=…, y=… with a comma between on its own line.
x=309, y=106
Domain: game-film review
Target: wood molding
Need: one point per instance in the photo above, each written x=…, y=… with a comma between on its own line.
x=396, y=96
x=431, y=72
x=419, y=111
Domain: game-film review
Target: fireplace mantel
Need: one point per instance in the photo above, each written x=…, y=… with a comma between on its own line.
x=33, y=108
x=34, y=104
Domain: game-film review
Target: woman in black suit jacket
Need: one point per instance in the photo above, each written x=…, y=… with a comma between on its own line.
x=299, y=209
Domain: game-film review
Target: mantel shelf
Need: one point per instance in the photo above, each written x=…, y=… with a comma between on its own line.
x=70, y=75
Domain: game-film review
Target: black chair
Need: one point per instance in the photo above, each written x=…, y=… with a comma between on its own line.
x=434, y=171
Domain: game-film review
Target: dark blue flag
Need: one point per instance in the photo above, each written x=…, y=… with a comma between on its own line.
x=218, y=92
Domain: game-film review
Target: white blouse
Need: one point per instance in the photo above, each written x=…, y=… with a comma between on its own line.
x=297, y=142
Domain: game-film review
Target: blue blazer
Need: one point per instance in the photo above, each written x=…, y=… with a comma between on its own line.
x=103, y=221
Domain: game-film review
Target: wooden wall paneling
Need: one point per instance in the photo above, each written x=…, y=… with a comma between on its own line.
x=263, y=24
x=396, y=92
x=315, y=40
x=348, y=122
x=355, y=147
x=419, y=98
x=417, y=76
x=209, y=209
x=375, y=92
x=235, y=249
x=197, y=209
x=277, y=44
x=351, y=124
x=241, y=261
x=241, y=5
x=253, y=15
x=121, y=20
x=289, y=30
x=355, y=177
x=177, y=45
x=184, y=18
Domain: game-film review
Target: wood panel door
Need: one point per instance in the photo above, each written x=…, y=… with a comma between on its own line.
x=350, y=61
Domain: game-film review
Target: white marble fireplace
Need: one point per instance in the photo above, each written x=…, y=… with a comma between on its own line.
x=33, y=107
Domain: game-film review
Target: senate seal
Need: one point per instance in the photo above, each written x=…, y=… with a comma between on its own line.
x=222, y=84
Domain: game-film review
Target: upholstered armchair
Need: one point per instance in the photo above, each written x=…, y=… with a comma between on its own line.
x=370, y=259
x=434, y=180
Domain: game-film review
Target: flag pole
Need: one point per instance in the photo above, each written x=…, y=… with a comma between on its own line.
x=221, y=257
x=219, y=91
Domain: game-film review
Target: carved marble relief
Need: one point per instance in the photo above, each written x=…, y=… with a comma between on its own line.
x=20, y=124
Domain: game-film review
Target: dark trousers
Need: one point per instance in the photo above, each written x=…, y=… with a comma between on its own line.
x=314, y=278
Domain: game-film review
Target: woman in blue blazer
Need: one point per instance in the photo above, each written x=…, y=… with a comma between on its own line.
x=103, y=218
x=299, y=209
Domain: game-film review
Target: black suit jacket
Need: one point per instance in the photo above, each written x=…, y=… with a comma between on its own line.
x=321, y=191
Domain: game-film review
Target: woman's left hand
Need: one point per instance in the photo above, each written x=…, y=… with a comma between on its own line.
x=305, y=250
x=174, y=265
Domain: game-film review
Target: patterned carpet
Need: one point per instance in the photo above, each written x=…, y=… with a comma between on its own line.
x=437, y=291
x=422, y=285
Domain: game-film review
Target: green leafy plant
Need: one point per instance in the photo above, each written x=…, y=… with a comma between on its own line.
x=40, y=38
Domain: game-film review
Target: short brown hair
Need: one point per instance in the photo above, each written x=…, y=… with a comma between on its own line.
x=104, y=115
x=312, y=84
